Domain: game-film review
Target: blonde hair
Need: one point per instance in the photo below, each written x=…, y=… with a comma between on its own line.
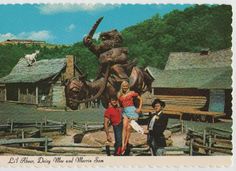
x=120, y=93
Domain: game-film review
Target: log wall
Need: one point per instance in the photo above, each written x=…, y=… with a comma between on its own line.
x=58, y=95
x=2, y=93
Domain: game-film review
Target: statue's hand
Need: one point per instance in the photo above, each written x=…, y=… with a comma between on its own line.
x=87, y=41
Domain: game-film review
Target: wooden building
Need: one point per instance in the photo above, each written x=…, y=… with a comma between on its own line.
x=202, y=79
x=22, y=41
x=39, y=84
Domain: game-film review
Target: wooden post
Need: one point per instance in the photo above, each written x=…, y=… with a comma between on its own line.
x=45, y=120
x=41, y=127
x=86, y=126
x=204, y=137
x=64, y=128
x=182, y=126
x=210, y=144
x=12, y=126
x=191, y=147
x=5, y=93
x=180, y=116
x=18, y=94
x=186, y=128
x=23, y=136
x=37, y=95
x=152, y=91
x=46, y=144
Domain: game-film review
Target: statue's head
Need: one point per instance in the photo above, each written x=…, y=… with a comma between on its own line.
x=75, y=91
x=111, y=36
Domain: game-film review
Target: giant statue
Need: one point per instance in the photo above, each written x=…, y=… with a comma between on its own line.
x=114, y=68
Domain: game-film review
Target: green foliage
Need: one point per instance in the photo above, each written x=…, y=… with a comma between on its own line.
x=150, y=42
x=191, y=30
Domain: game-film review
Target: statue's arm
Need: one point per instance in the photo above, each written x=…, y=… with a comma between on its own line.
x=96, y=49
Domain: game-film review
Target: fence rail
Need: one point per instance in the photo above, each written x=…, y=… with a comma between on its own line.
x=44, y=126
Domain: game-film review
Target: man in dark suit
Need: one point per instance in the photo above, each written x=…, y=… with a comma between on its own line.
x=156, y=127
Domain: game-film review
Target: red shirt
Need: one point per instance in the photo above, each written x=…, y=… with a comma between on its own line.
x=127, y=100
x=113, y=114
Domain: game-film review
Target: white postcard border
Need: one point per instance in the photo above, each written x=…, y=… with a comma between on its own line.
x=219, y=161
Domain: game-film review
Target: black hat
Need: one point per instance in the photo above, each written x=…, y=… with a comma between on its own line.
x=156, y=101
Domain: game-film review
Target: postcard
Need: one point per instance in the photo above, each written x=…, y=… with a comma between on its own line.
x=116, y=84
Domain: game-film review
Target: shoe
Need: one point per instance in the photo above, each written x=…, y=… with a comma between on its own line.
x=123, y=149
x=118, y=153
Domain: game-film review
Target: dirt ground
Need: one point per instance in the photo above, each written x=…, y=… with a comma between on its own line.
x=99, y=138
x=30, y=113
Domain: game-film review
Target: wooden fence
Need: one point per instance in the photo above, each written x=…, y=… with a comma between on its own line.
x=44, y=126
x=139, y=151
x=88, y=126
x=210, y=140
x=23, y=141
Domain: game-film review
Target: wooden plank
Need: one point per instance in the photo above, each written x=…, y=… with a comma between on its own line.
x=223, y=146
x=25, y=152
x=179, y=97
x=223, y=141
x=212, y=149
x=25, y=140
x=37, y=95
x=174, y=126
x=50, y=126
x=54, y=122
x=4, y=125
x=77, y=150
x=218, y=129
x=185, y=149
x=75, y=145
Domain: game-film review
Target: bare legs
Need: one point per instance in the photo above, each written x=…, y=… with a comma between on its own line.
x=126, y=132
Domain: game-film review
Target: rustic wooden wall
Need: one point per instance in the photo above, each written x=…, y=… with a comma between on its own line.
x=58, y=95
x=2, y=93
x=188, y=92
x=27, y=94
x=28, y=99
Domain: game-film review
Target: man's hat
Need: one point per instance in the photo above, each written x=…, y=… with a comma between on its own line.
x=156, y=101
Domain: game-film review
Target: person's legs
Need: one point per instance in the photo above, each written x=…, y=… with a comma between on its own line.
x=128, y=133
x=115, y=136
x=124, y=132
x=151, y=144
x=118, y=138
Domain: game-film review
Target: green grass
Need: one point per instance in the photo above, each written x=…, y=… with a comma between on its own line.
x=29, y=113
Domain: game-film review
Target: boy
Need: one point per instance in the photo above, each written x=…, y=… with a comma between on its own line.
x=156, y=127
x=113, y=114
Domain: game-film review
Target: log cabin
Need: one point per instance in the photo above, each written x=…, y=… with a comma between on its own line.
x=197, y=80
x=39, y=84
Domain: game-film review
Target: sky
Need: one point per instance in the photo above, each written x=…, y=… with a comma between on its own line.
x=69, y=23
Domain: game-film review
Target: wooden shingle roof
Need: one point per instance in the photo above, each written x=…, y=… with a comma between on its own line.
x=187, y=60
x=192, y=70
x=43, y=69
